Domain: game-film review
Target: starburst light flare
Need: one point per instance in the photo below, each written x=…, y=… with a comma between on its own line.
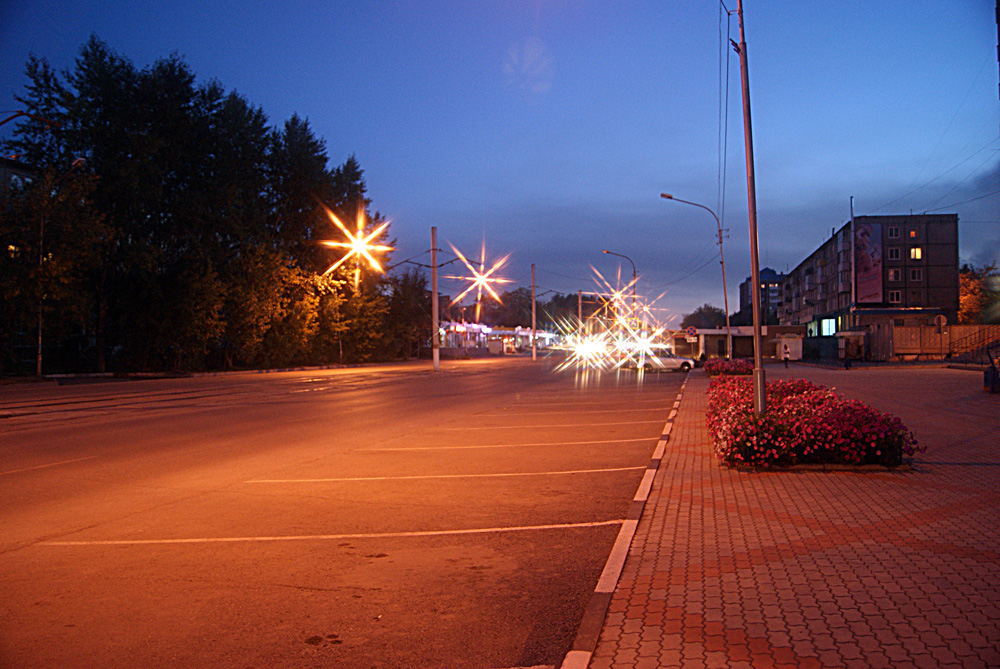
x=619, y=336
x=359, y=245
x=480, y=280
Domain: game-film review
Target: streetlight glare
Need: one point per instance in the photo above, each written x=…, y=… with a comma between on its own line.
x=481, y=280
x=359, y=245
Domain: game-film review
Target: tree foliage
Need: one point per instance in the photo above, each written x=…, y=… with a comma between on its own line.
x=705, y=316
x=979, y=295
x=189, y=236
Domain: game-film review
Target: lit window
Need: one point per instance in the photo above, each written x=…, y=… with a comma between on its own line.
x=894, y=253
x=895, y=297
x=916, y=275
x=913, y=234
x=916, y=253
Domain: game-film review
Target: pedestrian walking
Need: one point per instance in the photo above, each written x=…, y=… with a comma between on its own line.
x=785, y=354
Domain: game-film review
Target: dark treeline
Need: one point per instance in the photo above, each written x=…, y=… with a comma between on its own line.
x=186, y=236
x=557, y=313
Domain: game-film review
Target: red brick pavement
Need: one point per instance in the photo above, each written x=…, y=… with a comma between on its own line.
x=806, y=569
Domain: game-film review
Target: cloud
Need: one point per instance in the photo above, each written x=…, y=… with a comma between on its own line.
x=528, y=66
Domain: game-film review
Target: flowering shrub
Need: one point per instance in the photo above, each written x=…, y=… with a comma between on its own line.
x=718, y=367
x=804, y=423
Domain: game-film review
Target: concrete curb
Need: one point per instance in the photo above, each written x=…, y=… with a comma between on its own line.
x=597, y=608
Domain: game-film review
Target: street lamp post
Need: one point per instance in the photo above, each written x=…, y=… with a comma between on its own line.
x=722, y=257
x=612, y=253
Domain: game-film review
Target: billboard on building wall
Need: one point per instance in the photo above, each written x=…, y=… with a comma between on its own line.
x=868, y=261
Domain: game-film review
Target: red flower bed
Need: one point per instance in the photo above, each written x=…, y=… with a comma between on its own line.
x=804, y=423
x=720, y=367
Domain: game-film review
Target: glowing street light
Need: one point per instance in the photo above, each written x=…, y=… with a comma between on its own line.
x=359, y=245
x=480, y=280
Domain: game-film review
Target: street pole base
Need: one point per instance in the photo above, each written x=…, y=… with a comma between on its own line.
x=759, y=395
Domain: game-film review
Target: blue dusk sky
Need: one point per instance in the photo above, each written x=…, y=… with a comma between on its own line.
x=550, y=128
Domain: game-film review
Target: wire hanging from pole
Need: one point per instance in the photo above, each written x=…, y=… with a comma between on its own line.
x=723, y=112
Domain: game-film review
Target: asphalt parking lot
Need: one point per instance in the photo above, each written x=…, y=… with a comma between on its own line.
x=372, y=517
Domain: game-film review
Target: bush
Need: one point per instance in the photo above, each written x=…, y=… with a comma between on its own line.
x=804, y=423
x=720, y=367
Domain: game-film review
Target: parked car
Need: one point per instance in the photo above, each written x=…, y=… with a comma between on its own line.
x=671, y=362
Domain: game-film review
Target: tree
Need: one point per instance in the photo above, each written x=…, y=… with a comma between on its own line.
x=196, y=241
x=979, y=295
x=513, y=309
x=365, y=313
x=705, y=316
x=409, y=314
x=299, y=185
x=561, y=312
x=54, y=239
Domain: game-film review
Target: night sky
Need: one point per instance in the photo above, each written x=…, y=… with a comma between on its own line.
x=549, y=129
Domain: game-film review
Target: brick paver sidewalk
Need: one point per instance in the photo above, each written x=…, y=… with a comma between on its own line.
x=806, y=569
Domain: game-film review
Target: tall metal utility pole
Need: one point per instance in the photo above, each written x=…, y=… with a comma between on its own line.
x=534, y=352
x=435, y=326
x=760, y=398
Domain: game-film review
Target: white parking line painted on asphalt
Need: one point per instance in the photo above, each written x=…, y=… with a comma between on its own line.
x=51, y=464
x=587, y=403
x=543, y=443
x=333, y=537
x=573, y=411
x=658, y=421
x=450, y=476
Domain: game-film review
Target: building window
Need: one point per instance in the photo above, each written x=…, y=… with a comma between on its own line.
x=895, y=297
x=916, y=253
x=914, y=296
x=916, y=275
x=913, y=234
x=893, y=232
x=894, y=253
x=895, y=274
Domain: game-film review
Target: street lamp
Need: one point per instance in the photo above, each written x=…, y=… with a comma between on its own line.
x=722, y=257
x=358, y=245
x=612, y=253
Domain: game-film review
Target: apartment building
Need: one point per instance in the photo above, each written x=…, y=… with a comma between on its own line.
x=893, y=269
x=770, y=294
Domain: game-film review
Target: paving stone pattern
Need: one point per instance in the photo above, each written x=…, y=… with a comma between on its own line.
x=806, y=569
